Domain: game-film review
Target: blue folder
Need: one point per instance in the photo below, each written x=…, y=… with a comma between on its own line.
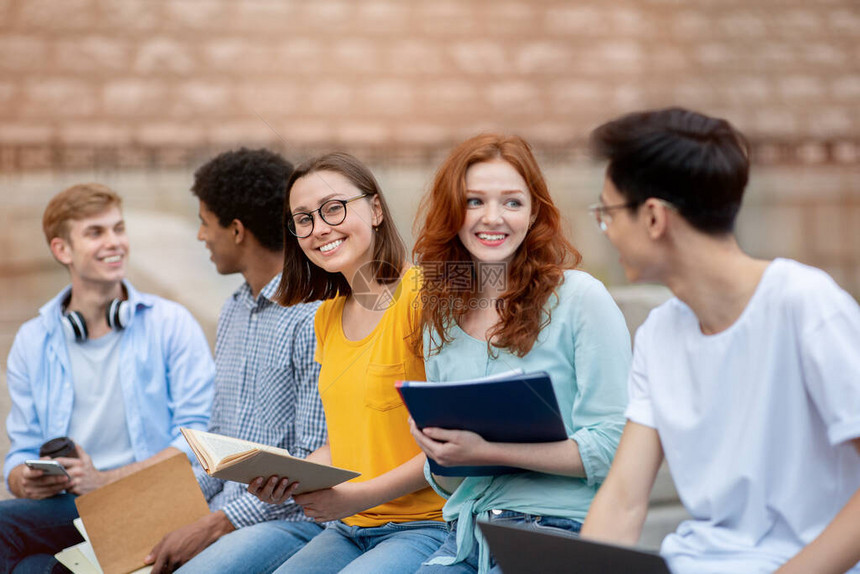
x=518, y=408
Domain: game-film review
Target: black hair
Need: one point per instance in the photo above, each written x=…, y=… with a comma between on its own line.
x=248, y=185
x=697, y=163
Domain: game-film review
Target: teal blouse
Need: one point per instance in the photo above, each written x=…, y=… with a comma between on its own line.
x=586, y=350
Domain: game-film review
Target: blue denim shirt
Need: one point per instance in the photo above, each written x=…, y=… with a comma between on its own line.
x=166, y=370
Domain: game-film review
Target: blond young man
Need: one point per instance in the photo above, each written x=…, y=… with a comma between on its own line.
x=116, y=370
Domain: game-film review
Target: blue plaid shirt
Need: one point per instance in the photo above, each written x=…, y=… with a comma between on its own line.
x=265, y=391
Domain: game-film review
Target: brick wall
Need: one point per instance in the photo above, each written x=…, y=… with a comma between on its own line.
x=142, y=86
x=417, y=74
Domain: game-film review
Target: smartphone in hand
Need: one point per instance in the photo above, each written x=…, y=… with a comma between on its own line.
x=49, y=467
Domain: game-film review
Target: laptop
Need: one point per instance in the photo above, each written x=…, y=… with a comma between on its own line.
x=519, y=550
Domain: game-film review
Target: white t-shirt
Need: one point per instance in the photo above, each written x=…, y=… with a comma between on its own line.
x=755, y=421
x=98, y=422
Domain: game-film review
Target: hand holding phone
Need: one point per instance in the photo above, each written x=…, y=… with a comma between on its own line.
x=49, y=467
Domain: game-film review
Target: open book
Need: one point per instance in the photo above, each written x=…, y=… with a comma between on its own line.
x=242, y=461
x=509, y=407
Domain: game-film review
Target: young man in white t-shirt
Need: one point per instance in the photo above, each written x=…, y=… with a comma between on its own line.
x=748, y=381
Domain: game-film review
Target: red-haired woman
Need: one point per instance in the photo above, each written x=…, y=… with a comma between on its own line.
x=489, y=219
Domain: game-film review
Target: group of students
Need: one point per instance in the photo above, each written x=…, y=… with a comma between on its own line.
x=488, y=205
x=748, y=382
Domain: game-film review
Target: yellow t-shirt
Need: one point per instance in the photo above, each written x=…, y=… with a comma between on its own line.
x=366, y=419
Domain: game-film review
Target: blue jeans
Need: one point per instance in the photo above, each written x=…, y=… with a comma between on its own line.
x=470, y=564
x=32, y=531
x=392, y=548
x=259, y=548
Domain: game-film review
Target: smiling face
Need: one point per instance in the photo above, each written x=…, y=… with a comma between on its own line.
x=96, y=249
x=498, y=211
x=220, y=241
x=342, y=248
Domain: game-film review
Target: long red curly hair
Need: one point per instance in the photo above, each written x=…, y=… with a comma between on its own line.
x=534, y=273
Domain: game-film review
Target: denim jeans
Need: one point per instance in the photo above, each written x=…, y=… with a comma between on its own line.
x=393, y=548
x=470, y=564
x=259, y=548
x=32, y=531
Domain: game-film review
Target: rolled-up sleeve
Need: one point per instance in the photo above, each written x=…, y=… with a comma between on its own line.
x=601, y=362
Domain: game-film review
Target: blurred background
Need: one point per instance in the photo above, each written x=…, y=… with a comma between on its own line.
x=138, y=93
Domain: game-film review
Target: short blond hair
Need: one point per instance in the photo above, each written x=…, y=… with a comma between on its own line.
x=77, y=202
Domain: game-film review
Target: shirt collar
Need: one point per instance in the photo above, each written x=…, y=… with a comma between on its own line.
x=243, y=293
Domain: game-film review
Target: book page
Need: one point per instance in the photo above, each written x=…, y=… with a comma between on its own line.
x=243, y=461
x=220, y=447
x=79, y=561
x=275, y=450
x=79, y=524
x=513, y=373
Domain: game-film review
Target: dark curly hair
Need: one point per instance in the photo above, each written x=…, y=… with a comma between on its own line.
x=248, y=185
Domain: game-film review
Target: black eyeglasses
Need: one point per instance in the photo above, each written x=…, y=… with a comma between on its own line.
x=333, y=212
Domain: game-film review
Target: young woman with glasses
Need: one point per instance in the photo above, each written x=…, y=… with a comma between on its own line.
x=342, y=247
x=489, y=206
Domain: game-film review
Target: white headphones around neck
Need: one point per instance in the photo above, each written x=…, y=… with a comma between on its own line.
x=117, y=313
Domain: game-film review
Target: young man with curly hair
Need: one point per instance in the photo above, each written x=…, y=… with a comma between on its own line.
x=266, y=377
